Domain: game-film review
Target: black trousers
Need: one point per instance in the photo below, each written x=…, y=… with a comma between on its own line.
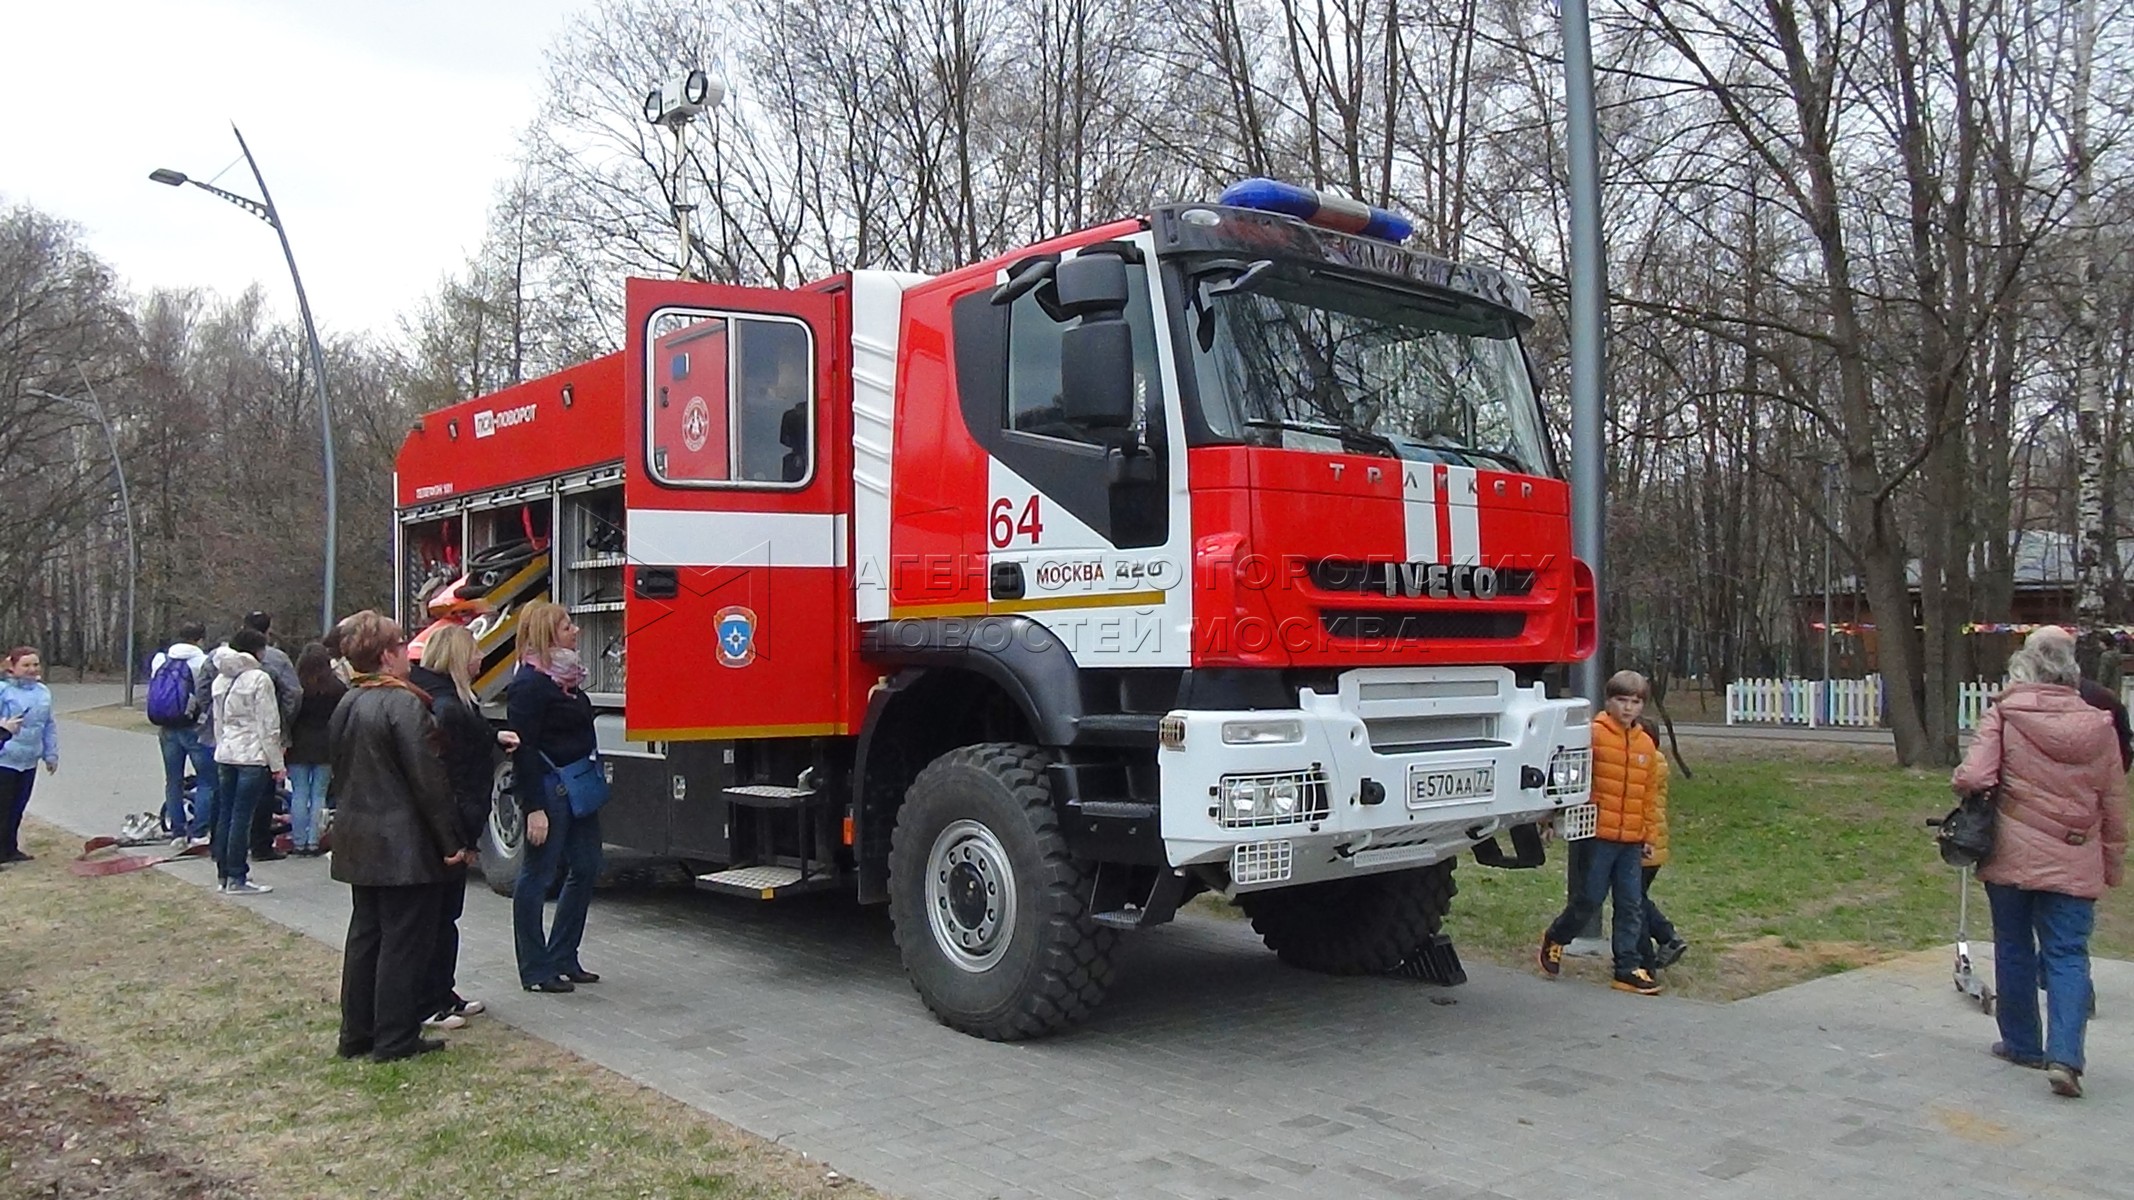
x=385, y=969
x=444, y=956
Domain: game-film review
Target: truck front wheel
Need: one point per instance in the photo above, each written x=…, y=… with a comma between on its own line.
x=987, y=902
x=504, y=835
x=1363, y=926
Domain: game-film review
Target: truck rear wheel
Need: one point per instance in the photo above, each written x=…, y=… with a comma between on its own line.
x=504, y=834
x=1363, y=926
x=988, y=904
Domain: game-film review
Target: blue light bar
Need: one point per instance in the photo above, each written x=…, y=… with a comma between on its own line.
x=1318, y=208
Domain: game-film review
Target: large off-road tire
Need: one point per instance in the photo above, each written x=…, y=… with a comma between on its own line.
x=987, y=902
x=1363, y=926
x=504, y=835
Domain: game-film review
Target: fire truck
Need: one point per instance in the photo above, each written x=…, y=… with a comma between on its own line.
x=1218, y=549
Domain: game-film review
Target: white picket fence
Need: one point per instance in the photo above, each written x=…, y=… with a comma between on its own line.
x=1849, y=703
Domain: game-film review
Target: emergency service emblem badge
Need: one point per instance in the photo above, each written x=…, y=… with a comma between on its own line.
x=696, y=425
x=736, y=629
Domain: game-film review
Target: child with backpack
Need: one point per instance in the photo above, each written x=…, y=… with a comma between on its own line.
x=173, y=706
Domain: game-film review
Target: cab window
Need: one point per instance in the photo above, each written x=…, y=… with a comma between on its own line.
x=731, y=400
x=1034, y=341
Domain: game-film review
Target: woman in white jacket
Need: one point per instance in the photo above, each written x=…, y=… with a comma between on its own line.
x=248, y=755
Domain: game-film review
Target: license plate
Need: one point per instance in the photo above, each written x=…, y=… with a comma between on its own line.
x=1446, y=784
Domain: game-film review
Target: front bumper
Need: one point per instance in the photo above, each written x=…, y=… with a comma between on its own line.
x=1400, y=767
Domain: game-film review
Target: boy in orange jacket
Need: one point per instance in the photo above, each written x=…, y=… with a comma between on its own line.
x=1623, y=784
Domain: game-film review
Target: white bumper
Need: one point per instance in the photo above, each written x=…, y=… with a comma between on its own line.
x=1450, y=755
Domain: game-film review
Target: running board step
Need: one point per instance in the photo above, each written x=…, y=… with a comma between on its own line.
x=766, y=882
x=770, y=795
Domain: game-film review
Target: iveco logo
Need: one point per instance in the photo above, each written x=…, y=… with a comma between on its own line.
x=1441, y=581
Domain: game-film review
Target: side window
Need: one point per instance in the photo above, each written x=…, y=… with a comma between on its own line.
x=1034, y=340
x=731, y=400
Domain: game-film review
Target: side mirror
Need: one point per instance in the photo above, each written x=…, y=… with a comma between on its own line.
x=1091, y=285
x=1097, y=374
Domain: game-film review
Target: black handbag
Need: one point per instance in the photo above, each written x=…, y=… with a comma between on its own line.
x=1966, y=834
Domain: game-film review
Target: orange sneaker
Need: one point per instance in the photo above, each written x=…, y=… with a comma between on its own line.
x=1639, y=981
x=1551, y=957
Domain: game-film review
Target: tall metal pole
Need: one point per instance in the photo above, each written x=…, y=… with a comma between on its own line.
x=318, y=380
x=1589, y=295
x=95, y=408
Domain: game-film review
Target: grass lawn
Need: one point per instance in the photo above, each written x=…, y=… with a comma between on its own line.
x=155, y=1041
x=1785, y=866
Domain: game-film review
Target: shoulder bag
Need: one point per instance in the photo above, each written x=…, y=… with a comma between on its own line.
x=581, y=784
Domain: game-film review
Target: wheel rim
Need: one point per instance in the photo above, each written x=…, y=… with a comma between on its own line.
x=970, y=895
x=506, y=826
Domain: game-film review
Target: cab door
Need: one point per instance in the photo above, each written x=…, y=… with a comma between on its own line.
x=737, y=606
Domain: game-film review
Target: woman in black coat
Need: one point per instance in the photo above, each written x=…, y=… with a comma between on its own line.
x=396, y=843
x=469, y=744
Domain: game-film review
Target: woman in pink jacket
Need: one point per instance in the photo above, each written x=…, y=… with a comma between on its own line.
x=2060, y=840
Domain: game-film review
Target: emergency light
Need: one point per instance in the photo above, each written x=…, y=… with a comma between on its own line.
x=1318, y=208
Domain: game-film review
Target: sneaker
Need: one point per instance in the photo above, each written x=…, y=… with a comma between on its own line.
x=221, y=886
x=2000, y=1051
x=1671, y=953
x=445, y=1020
x=200, y=841
x=1551, y=957
x=247, y=888
x=467, y=1008
x=2063, y=1080
x=1639, y=981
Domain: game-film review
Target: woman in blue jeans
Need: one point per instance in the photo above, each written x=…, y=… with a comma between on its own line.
x=547, y=707
x=2059, y=840
x=309, y=770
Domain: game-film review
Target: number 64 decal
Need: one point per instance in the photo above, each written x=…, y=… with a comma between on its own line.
x=1005, y=525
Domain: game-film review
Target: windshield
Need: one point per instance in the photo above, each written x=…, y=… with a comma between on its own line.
x=1309, y=362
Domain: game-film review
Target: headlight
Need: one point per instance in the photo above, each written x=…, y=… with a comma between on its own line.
x=1263, y=731
x=1570, y=771
x=1274, y=799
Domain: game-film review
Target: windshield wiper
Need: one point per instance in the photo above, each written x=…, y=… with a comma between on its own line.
x=1346, y=435
x=1448, y=446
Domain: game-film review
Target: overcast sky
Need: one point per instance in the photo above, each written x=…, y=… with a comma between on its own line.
x=383, y=127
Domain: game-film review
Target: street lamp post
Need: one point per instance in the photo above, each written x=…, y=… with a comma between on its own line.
x=93, y=408
x=1589, y=297
x=264, y=209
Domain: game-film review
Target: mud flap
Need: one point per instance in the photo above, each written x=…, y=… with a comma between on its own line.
x=1434, y=962
x=1527, y=851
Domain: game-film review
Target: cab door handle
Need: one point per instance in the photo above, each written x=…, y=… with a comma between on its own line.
x=655, y=583
x=1007, y=581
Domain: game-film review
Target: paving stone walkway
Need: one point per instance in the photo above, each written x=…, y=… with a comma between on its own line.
x=1212, y=1071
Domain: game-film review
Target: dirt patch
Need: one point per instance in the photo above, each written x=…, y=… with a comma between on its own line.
x=65, y=1133
x=1765, y=963
x=111, y=716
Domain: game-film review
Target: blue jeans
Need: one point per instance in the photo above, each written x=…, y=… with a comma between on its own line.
x=307, y=802
x=573, y=845
x=1610, y=867
x=2046, y=932
x=181, y=746
x=240, y=789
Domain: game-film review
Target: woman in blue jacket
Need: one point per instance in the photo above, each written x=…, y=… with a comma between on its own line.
x=24, y=699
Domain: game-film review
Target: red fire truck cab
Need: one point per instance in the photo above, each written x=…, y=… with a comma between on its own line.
x=1210, y=550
